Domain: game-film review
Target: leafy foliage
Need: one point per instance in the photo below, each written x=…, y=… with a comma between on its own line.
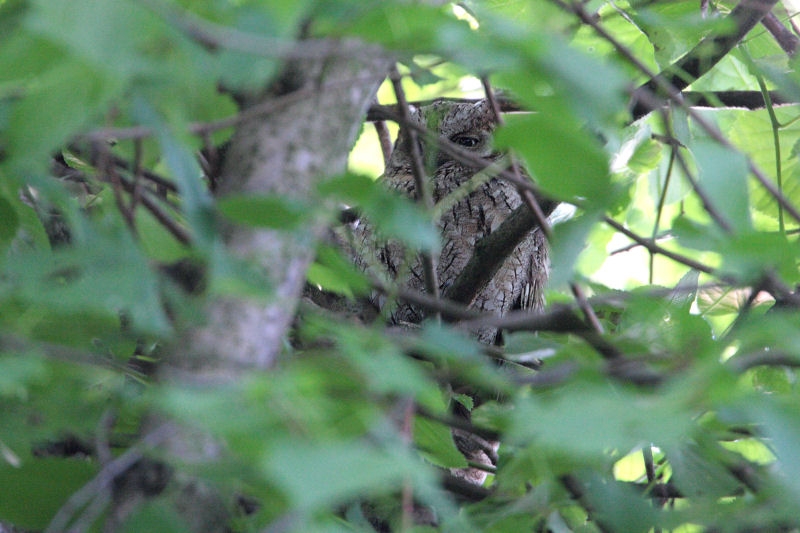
x=656, y=392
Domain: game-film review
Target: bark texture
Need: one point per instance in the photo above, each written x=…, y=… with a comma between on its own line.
x=286, y=153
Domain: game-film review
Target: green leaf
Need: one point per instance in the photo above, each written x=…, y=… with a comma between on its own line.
x=772, y=380
x=275, y=212
x=108, y=35
x=751, y=255
x=435, y=441
x=466, y=401
x=723, y=177
x=699, y=471
x=404, y=26
x=24, y=56
x=156, y=515
x=462, y=355
x=693, y=234
x=317, y=475
x=33, y=134
x=574, y=77
x=526, y=347
x=569, y=240
x=157, y=242
x=393, y=215
x=336, y=273
x=41, y=487
x=780, y=423
x=586, y=421
x=246, y=71
x=564, y=160
x=685, y=292
x=17, y=372
x=672, y=28
x=195, y=197
x=385, y=368
x=90, y=283
x=618, y=506
x=9, y=223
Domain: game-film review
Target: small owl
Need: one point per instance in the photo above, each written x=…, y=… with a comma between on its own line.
x=471, y=207
x=471, y=213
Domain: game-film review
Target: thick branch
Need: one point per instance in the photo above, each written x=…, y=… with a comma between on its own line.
x=744, y=99
x=787, y=40
x=491, y=251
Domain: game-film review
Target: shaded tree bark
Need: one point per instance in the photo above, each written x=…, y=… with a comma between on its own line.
x=286, y=153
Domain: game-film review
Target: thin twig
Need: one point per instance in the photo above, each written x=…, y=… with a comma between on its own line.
x=587, y=309
x=645, y=100
x=422, y=188
x=384, y=138
x=170, y=224
x=651, y=246
x=705, y=199
x=138, y=154
x=178, y=231
x=101, y=483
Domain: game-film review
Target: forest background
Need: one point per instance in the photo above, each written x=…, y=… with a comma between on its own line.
x=168, y=171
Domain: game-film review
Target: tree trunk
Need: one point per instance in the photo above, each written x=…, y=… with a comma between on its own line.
x=287, y=153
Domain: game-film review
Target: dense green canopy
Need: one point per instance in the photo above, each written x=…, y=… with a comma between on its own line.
x=657, y=392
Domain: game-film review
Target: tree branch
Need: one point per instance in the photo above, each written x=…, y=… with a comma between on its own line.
x=491, y=251
x=700, y=59
x=787, y=40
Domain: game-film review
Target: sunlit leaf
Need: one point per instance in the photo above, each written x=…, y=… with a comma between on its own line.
x=587, y=421
x=723, y=175
x=564, y=160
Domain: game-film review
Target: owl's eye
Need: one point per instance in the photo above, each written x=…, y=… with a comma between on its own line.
x=467, y=141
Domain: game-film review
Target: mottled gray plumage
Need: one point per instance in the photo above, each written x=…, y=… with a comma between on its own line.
x=519, y=281
x=470, y=215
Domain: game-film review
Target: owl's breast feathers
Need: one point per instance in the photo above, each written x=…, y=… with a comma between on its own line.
x=468, y=217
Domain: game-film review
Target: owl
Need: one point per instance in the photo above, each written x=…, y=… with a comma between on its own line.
x=470, y=212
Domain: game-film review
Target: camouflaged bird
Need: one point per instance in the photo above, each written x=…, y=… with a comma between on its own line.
x=473, y=204
x=470, y=211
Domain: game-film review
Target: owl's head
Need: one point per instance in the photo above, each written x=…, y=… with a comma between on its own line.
x=469, y=125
